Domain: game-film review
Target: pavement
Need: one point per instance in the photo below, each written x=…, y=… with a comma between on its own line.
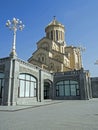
x=52, y=115
x=22, y=107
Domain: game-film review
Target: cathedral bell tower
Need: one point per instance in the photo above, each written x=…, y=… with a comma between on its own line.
x=53, y=54
x=55, y=31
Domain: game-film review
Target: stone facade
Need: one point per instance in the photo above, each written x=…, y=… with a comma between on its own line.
x=22, y=83
x=10, y=82
x=72, y=85
x=94, y=85
x=52, y=52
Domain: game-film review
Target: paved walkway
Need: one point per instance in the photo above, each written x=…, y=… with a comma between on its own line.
x=22, y=107
x=67, y=115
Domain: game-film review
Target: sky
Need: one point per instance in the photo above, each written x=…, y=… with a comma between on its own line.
x=80, y=18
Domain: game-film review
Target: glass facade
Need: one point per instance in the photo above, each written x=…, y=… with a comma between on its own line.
x=27, y=85
x=67, y=88
x=1, y=84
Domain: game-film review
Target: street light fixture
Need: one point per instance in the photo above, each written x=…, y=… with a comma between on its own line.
x=14, y=25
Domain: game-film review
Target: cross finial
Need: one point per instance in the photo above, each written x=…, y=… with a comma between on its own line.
x=54, y=17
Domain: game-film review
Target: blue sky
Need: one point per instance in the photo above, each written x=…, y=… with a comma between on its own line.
x=80, y=18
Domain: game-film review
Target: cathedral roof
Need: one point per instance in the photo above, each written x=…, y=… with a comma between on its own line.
x=55, y=22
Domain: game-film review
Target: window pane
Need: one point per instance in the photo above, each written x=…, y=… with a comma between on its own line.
x=61, y=90
x=22, y=76
x=35, y=92
x=60, y=83
x=2, y=82
x=73, y=82
x=27, y=85
x=33, y=79
x=57, y=87
x=32, y=89
x=34, y=85
x=57, y=92
x=66, y=82
x=77, y=86
x=27, y=89
x=67, y=90
x=73, y=90
x=1, y=75
x=78, y=92
x=27, y=77
x=22, y=85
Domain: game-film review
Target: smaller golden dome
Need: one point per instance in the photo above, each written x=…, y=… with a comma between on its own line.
x=54, y=22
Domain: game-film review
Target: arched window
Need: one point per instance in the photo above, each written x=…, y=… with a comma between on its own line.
x=67, y=88
x=52, y=35
x=1, y=83
x=41, y=57
x=27, y=85
x=57, y=35
x=51, y=66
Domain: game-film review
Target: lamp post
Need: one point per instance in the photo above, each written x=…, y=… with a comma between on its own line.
x=82, y=49
x=14, y=25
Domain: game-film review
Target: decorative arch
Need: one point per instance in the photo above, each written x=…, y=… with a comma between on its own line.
x=47, y=89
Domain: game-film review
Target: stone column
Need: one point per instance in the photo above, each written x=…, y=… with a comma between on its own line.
x=41, y=89
x=83, y=86
x=15, y=82
x=7, y=83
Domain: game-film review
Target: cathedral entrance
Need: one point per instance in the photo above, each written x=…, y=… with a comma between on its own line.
x=47, y=89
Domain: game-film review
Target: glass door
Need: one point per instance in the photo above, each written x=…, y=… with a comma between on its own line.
x=46, y=90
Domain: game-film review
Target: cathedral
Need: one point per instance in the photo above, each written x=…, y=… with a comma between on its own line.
x=52, y=52
x=53, y=72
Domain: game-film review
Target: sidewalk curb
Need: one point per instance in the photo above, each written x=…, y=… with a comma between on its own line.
x=29, y=107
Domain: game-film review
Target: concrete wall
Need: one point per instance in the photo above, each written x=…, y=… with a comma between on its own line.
x=83, y=80
x=12, y=68
x=94, y=85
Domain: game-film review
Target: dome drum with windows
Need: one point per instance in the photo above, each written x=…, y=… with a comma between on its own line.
x=55, y=31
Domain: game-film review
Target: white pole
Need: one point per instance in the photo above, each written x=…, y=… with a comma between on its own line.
x=14, y=25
